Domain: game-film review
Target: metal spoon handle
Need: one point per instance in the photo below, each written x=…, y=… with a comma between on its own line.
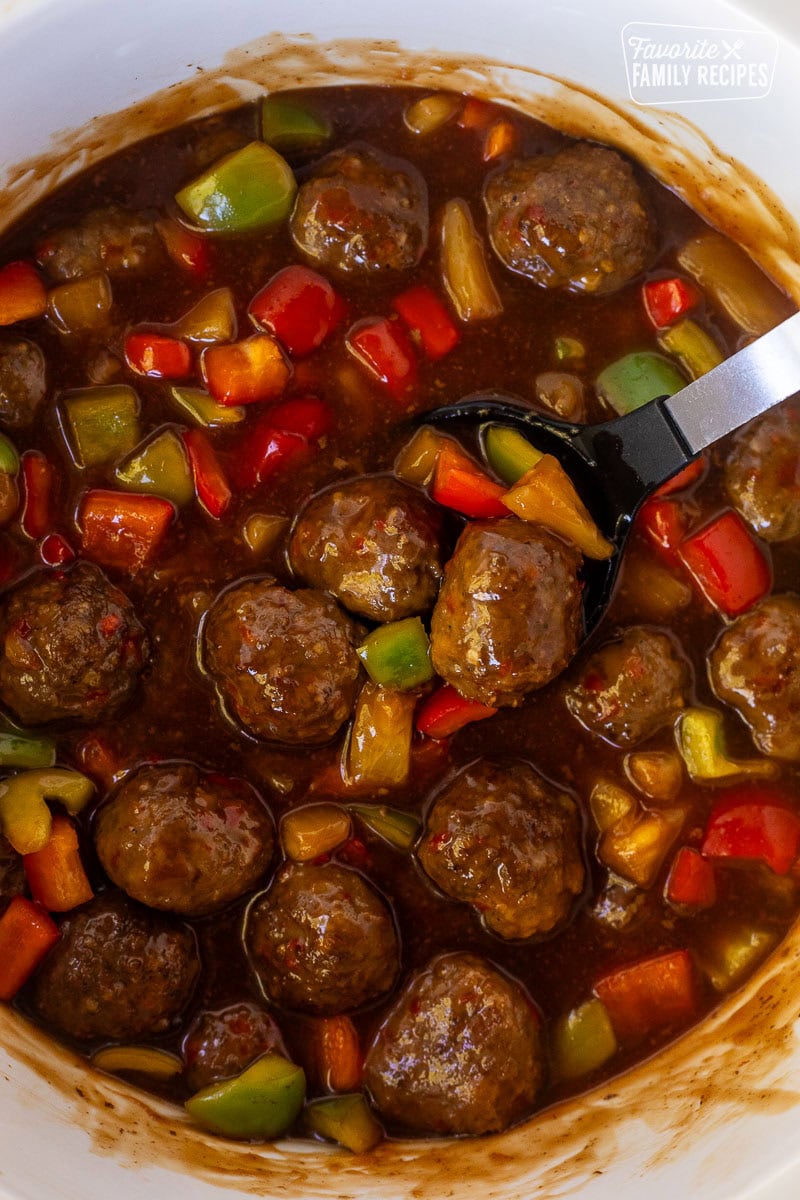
x=745, y=385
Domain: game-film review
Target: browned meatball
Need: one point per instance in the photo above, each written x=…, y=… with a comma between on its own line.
x=374, y=543
x=71, y=646
x=576, y=219
x=322, y=940
x=504, y=839
x=460, y=1051
x=755, y=666
x=222, y=1044
x=362, y=211
x=107, y=239
x=181, y=839
x=118, y=972
x=762, y=473
x=284, y=663
x=508, y=615
x=23, y=381
x=630, y=687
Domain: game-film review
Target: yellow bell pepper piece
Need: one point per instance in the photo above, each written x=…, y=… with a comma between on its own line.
x=25, y=818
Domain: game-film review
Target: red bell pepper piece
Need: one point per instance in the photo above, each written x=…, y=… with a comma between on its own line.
x=428, y=320
x=384, y=348
x=306, y=415
x=187, y=249
x=300, y=307
x=445, y=711
x=727, y=564
x=55, y=550
x=691, y=882
x=663, y=524
x=246, y=372
x=476, y=114
x=55, y=874
x=123, y=529
x=665, y=300
x=690, y=475
x=266, y=451
x=754, y=822
x=38, y=479
x=96, y=758
x=22, y=293
x=459, y=483
x=26, y=935
x=649, y=996
x=210, y=483
x=157, y=356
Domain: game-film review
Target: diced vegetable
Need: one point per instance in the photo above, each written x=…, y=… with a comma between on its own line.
x=428, y=321
x=416, y=462
x=459, y=483
x=665, y=300
x=609, y=804
x=38, y=480
x=157, y=356
x=290, y=126
x=695, y=350
x=55, y=873
x=569, y=350
x=656, y=590
x=138, y=1060
x=26, y=935
x=637, y=845
x=94, y=754
x=476, y=114
x=25, y=818
x=658, y=774
x=307, y=416
x=397, y=655
x=582, y=1040
x=261, y=531
x=379, y=752
x=636, y=379
x=687, y=477
x=384, y=348
x=212, y=319
x=313, y=830
x=9, y=458
x=700, y=734
x=123, y=530
x=734, y=953
x=563, y=393
x=187, y=249
x=21, y=749
x=399, y=829
x=501, y=138
x=445, y=711
x=464, y=267
x=266, y=451
x=159, y=467
x=734, y=282
x=250, y=189
x=347, y=1120
x=508, y=453
x=102, y=423
x=82, y=305
x=204, y=410
x=300, y=307
x=210, y=483
x=649, y=996
x=263, y=1102
x=246, y=372
x=426, y=115
x=691, y=882
x=727, y=564
x=335, y=1052
x=663, y=524
x=754, y=821
x=546, y=495
x=55, y=550
x=22, y=293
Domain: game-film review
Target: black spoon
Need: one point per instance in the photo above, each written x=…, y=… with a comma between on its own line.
x=615, y=466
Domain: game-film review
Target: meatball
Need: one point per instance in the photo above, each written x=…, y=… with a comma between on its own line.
x=576, y=219
x=504, y=839
x=108, y=239
x=181, y=839
x=755, y=666
x=508, y=615
x=222, y=1044
x=284, y=663
x=71, y=647
x=762, y=473
x=630, y=687
x=322, y=940
x=362, y=211
x=118, y=972
x=374, y=543
x=459, y=1052
x=23, y=381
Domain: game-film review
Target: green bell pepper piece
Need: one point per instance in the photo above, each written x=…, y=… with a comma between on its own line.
x=508, y=453
x=160, y=468
x=102, y=423
x=400, y=829
x=263, y=1102
x=638, y=378
x=25, y=818
x=9, y=458
x=290, y=126
x=733, y=955
x=19, y=749
x=695, y=350
x=398, y=655
x=583, y=1040
x=347, y=1120
x=203, y=408
x=700, y=736
x=250, y=189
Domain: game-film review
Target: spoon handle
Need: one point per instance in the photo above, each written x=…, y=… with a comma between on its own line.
x=745, y=385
